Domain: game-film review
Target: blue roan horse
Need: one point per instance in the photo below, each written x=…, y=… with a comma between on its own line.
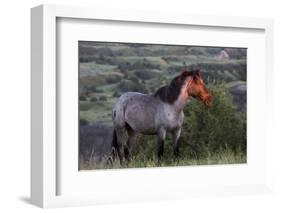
x=157, y=113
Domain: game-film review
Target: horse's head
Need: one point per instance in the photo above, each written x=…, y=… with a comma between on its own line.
x=195, y=86
x=197, y=89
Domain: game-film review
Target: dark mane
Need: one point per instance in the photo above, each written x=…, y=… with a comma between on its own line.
x=171, y=92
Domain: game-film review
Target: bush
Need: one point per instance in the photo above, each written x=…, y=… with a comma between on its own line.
x=134, y=79
x=82, y=98
x=130, y=86
x=211, y=130
x=140, y=64
x=116, y=94
x=83, y=122
x=146, y=74
x=93, y=99
x=111, y=79
x=103, y=98
x=93, y=88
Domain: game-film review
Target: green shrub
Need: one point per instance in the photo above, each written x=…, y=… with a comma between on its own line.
x=111, y=79
x=103, y=98
x=93, y=88
x=93, y=99
x=116, y=94
x=134, y=79
x=211, y=130
x=83, y=122
x=140, y=64
x=82, y=98
x=85, y=106
x=130, y=86
x=146, y=74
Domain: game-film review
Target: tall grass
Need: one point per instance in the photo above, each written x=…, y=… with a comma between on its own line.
x=226, y=156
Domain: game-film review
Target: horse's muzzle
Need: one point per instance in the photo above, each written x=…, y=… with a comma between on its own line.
x=208, y=101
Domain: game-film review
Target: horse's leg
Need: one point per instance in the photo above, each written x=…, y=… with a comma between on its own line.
x=127, y=148
x=160, y=147
x=176, y=134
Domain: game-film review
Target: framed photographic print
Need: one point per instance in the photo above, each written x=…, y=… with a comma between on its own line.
x=152, y=106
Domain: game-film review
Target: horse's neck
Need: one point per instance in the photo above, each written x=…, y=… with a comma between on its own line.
x=180, y=104
x=181, y=101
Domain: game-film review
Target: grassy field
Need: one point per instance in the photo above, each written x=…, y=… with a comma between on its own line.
x=142, y=161
x=107, y=70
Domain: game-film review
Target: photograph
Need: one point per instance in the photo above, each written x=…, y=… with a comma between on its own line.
x=147, y=105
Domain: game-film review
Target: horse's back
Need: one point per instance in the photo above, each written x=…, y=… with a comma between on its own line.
x=134, y=97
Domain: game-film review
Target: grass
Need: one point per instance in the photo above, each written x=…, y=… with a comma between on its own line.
x=143, y=161
x=92, y=68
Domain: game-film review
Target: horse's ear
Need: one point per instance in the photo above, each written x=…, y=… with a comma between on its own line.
x=196, y=74
x=181, y=75
x=182, y=71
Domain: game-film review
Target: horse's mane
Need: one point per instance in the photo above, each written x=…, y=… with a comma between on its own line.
x=171, y=92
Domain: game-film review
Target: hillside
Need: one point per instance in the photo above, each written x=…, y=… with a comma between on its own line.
x=109, y=69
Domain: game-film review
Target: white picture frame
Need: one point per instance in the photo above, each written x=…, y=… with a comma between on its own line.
x=44, y=154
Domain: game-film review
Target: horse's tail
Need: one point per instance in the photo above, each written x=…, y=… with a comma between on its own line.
x=115, y=146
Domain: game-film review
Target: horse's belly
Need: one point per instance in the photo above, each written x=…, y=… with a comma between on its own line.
x=173, y=126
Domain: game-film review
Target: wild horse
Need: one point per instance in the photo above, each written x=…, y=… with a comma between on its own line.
x=157, y=113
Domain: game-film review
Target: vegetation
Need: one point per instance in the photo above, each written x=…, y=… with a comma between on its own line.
x=103, y=98
x=214, y=129
x=93, y=99
x=141, y=161
x=216, y=135
x=83, y=122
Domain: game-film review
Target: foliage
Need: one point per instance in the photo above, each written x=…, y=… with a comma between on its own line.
x=83, y=122
x=93, y=99
x=130, y=86
x=146, y=74
x=210, y=130
x=116, y=94
x=111, y=79
x=82, y=98
x=93, y=88
x=103, y=98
